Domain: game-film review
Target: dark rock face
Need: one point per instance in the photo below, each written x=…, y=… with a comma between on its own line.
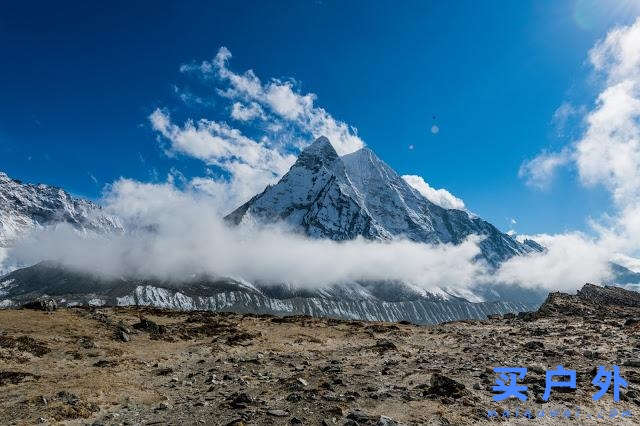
x=591, y=301
x=609, y=295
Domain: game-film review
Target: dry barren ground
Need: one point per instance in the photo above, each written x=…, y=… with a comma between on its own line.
x=143, y=366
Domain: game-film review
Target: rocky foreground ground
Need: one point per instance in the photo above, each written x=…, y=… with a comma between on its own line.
x=144, y=366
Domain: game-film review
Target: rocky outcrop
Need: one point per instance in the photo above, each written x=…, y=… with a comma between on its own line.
x=74, y=288
x=591, y=301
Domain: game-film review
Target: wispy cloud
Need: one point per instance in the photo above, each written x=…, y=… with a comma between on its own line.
x=281, y=103
x=565, y=114
x=540, y=171
x=251, y=165
x=607, y=153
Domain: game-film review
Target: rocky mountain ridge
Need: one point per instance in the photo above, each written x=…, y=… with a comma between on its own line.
x=24, y=207
x=75, y=288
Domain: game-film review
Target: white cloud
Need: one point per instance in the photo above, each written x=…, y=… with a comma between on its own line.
x=251, y=165
x=565, y=113
x=607, y=153
x=539, y=171
x=570, y=261
x=283, y=101
x=179, y=234
x=243, y=112
x=441, y=197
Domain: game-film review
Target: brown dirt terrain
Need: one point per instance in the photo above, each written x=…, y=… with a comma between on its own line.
x=148, y=366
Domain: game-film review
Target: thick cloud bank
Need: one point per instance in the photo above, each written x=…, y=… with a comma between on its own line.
x=177, y=232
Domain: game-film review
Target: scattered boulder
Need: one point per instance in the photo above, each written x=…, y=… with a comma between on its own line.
x=534, y=345
x=87, y=342
x=240, y=400
x=387, y=421
x=359, y=416
x=47, y=305
x=24, y=344
x=241, y=338
x=444, y=386
x=150, y=327
x=122, y=336
x=164, y=371
x=105, y=363
x=385, y=345
x=15, y=377
x=630, y=322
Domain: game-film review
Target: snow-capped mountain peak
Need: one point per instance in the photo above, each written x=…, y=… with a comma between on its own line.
x=25, y=207
x=327, y=196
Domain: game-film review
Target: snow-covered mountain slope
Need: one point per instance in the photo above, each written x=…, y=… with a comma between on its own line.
x=24, y=207
x=327, y=196
x=71, y=288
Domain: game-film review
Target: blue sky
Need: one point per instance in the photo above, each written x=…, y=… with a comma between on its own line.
x=78, y=84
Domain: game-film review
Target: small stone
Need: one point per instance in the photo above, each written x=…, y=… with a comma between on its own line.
x=336, y=411
x=359, y=416
x=87, y=343
x=164, y=371
x=631, y=322
x=277, y=413
x=163, y=406
x=534, y=345
x=302, y=381
x=445, y=387
x=385, y=345
x=386, y=421
x=241, y=400
x=294, y=397
x=122, y=336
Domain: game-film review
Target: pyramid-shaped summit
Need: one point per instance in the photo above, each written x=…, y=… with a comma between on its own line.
x=314, y=197
x=324, y=195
